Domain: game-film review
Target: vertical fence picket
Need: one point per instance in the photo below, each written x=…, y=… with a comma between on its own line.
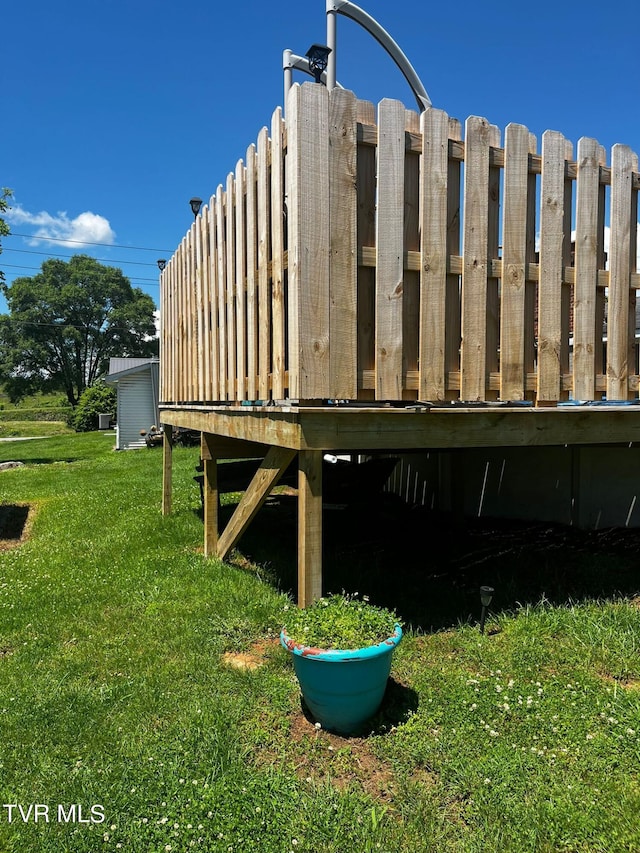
x=199, y=337
x=241, y=272
x=222, y=292
x=621, y=301
x=190, y=311
x=585, y=331
x=278, y=353
x=264, y=289
x=343, y=283
x=230, y=288
x=164, y=275
x=252, y=266
x=205, y=362
x=390, y=250
x=182, y=322
x=551, y=267
x=514, y=257
x=214, y=283
x=475, y=263
x=433, y=260
x=308, y=194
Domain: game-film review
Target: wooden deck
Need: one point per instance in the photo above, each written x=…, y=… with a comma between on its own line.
x=381, y=259
x=278, y=434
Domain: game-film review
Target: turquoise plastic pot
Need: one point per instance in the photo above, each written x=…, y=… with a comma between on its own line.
x=342, y=688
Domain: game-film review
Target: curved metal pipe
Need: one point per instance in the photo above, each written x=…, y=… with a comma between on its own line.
x=355, y=13
x=291, y=60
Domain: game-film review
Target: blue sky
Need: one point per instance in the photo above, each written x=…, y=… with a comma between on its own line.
x=115, y=113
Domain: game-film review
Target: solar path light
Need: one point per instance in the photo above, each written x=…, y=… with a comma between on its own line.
x=486, y=594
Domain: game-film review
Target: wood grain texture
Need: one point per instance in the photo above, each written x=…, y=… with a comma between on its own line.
x=214, y=351
x=309, y=527
x=514, y=257
x=551, y=265
x=475, y=263
x=239, y=285
x=266, y=477
x=390, y=250
x=585, y=334
x=252, y=279
x=309, y=244
x=230, y=286
x=343, y=213
x=222, y=291
x=264, y=284
x=623, y=163
x=433, y=263
x=278, y=306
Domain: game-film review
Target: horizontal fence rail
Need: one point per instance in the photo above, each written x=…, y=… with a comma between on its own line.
x=405, y=257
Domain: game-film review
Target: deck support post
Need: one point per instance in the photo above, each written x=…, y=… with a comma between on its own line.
x=309, y=526
x=167, y=468
x=210, y=494
x=266, y=477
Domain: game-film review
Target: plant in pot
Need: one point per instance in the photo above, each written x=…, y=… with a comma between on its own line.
x=342, y=648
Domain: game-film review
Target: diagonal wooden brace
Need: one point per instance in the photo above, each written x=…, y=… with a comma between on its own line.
x=266, y=477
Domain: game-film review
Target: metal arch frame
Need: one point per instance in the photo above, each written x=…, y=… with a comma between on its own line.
x=355, y=13
x=291, y=60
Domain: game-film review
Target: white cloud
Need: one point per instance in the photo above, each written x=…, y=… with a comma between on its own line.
x=87, y=227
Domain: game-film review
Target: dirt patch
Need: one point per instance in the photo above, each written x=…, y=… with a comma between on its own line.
x=343, y=762
x=318, y=756
x=251, y=659
x=15, y=524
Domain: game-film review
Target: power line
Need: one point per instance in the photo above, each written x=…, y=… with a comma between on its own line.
x=61, y=257
x=62, y=325
x=152, y=281
x=85, y=242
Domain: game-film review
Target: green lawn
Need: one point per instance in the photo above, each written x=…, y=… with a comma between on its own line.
x=146, y=682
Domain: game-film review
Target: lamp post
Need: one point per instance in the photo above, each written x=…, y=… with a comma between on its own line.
x=196, y=204
x=486, y=594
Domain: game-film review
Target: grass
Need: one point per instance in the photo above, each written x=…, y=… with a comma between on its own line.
x=146, y=682
x=33, y=429
x=34, y=416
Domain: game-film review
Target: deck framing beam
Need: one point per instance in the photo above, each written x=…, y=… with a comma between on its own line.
x=266, y=477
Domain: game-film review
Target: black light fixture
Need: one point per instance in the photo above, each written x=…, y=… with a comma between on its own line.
x=318, y=56
x=486, y=594
x=161, y=263
x=196, y=204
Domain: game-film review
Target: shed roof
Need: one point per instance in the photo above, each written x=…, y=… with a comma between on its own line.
x=119, y=367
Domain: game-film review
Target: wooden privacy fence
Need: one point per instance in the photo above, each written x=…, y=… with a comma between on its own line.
x=399, y=260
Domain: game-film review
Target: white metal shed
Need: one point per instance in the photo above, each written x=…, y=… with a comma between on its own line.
x=136, y=382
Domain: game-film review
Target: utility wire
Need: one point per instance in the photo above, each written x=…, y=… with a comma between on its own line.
x=85, y=242
x=62, y=257
x=152, y=281
x=62, y=325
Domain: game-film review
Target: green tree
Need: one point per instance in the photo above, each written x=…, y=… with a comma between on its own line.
x=66, y=322
x=5, y=195
x=97, y=399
